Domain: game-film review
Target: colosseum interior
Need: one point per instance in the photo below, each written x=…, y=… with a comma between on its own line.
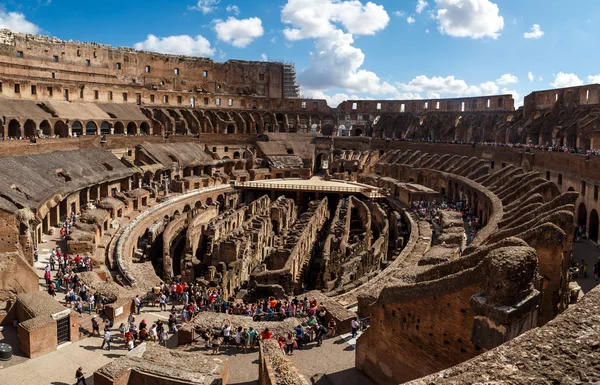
x=179, y=168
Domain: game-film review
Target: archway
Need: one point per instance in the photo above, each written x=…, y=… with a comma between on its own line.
x=221, y=202
x=91, y=128
x=105, y=128
x=357, y=132
x=46, y=128
x=131, y=128
x=30, y=128
x=76, y=128
x=236, y=155
x=327, y=130
x=60, y=129
x=319, y=163
x=581, y=215
x=119, y=128
x=231, y=129
x=593, y=232
x=144, y=128
x=14, y=129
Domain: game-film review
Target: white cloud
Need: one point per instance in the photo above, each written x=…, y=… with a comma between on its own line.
x=562, y=80
x=507, y=79
x=535, y=32
x=177, y=45
x=273, y=40
x=205, y=6
x=433, y=95
x=336, y=62
x=594, y=79
x=233, y=9
x=421, y=5
x=448, y=85
x=469, y=18
x=530, y=76
x=410, y=20
x=239, y=33
x=15, y=21
x=399, y=13
x=319, y=18
x=264, y=57
x=427, y=31
x=332, y=100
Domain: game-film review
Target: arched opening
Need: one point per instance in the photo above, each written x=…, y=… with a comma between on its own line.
x=593, y=233
x=236, y=155
x=14, y=129
x=119, y=128
x=327, y=130
x=221, y=202
x=76, y=128
x=60, y=129
x=131, y=128
x=105, y=128
x=581, y=215
x=357, y=132
x=144, y=128
x=91, y=128
x=30, y=128
x=46, y=128
x=209, y=201
x=231, y=129
x=320, y=163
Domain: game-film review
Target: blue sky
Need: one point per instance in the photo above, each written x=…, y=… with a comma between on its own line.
x=352, y=48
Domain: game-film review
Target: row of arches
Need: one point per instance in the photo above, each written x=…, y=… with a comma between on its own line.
x=591, y=224
x=61, y=129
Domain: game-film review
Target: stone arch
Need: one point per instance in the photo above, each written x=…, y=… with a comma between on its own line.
x=581, y=215
x=119, y=128
x=593, y=231
x=144, y=128
x=327, y=130
x=60, y=129
x=131, y=128
x=209, y=201
x=236, y=155
x=105, y=128
x=14, y=129
x=231, y=129
x=186, y=208
x=46, y=128
x=30, y=128
x=76, y=128
x=91, y=128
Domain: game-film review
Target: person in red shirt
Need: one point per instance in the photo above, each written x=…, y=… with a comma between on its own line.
x=266, y=334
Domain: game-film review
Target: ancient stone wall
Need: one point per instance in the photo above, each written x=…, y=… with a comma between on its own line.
x=286, y=264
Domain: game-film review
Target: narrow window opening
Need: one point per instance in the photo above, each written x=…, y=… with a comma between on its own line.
x=33, y=90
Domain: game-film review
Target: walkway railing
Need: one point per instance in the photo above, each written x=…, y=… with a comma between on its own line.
x=124, y=234
x=369, y=192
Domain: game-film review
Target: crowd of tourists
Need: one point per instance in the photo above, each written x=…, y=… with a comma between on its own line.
x=526, y=146
x=430, y=211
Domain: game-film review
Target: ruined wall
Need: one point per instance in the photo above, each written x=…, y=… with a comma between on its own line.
x=450, y=315
x=286, y=264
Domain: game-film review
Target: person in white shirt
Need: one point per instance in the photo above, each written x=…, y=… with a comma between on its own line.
x=354, y=324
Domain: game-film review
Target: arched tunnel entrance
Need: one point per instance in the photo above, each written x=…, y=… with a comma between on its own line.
x=177, y=251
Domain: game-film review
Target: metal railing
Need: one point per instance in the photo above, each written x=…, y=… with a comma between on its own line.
x=299, y=187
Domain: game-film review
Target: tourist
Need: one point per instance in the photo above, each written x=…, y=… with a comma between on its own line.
x=300, y=335
x=244, y=339
x=137, y=302
x=266, y=334
x=80, y=376
x=252, y=337
x=226, y=331
x=320, y=331
x=52, y=289
x=107, y=339
x=289, y=344
x=332, y=326
x=162, y=300
x=215, y=343
x=122, y=330
x=354, y=325
x=153, y=333
x=95, y=325
x=35, y=254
